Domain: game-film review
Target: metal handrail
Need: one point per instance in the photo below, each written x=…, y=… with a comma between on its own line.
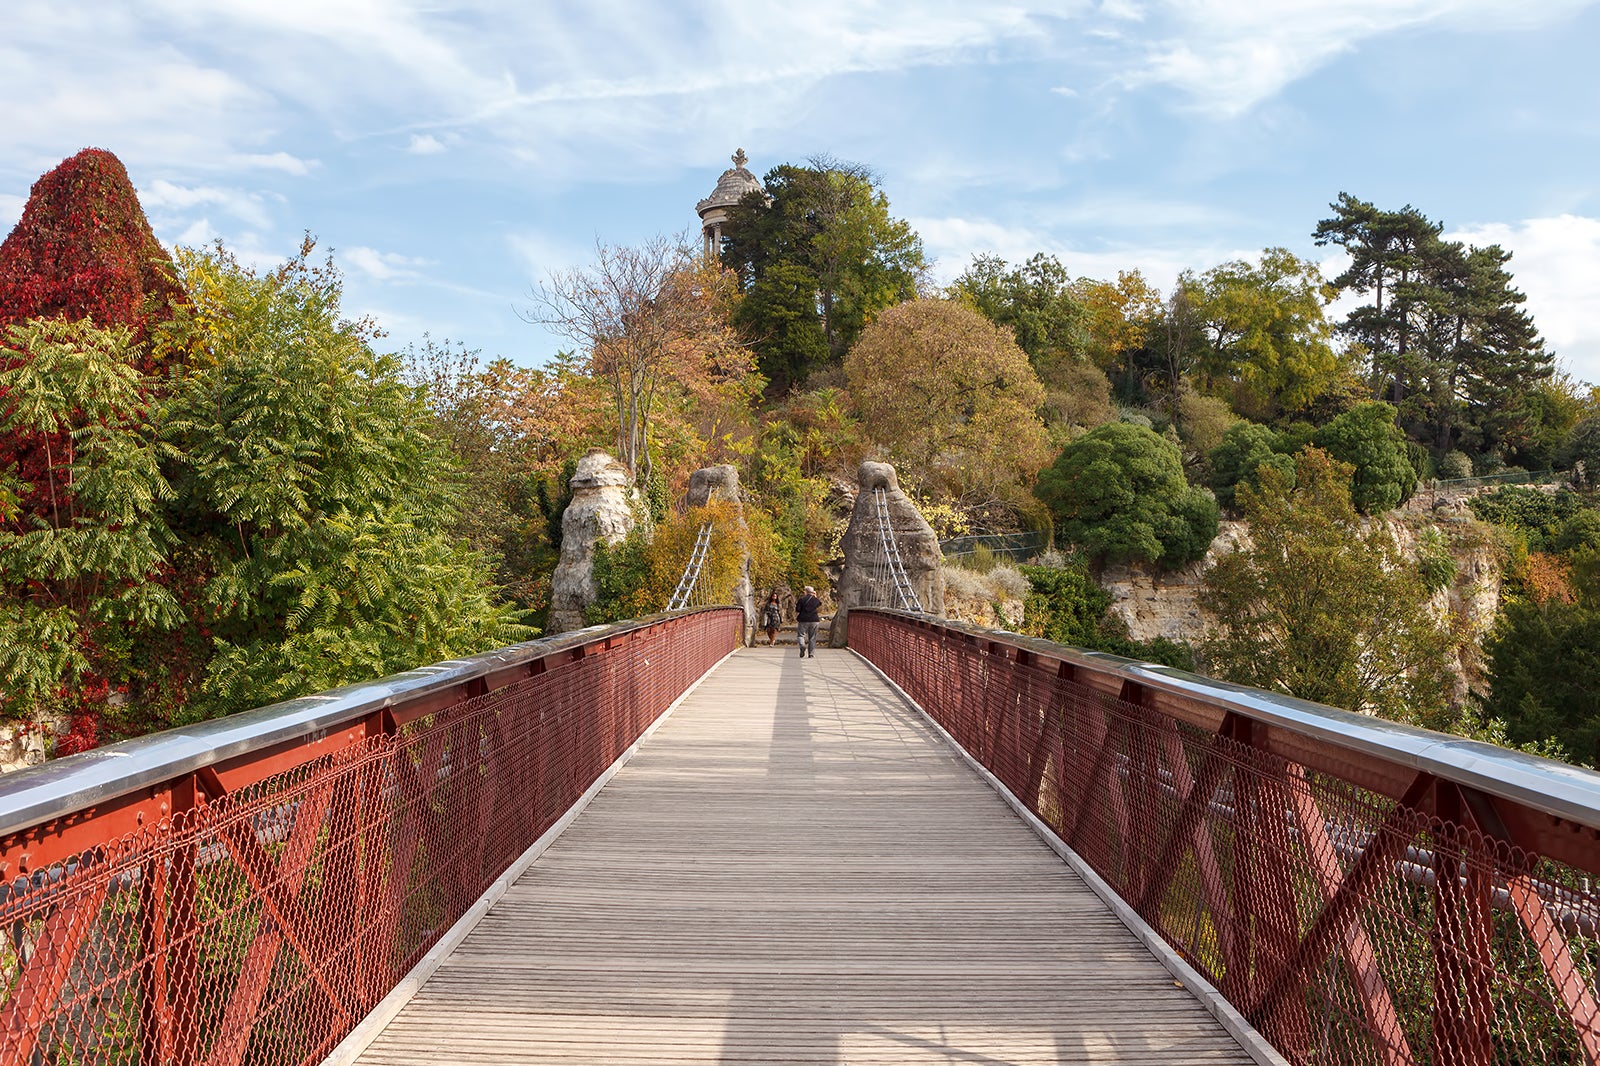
x=1556, y=788
x=36, y=794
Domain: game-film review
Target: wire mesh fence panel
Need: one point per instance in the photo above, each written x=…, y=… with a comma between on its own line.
x=250, y=914
x=1356, y=904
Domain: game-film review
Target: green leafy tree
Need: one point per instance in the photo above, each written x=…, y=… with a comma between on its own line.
x=84, y=566
x=779, y=314
x=513, y=493
x=825, y=230
x=953, y=399
x=315, y=511
x=1269, y=344
x=1119, y=492
x=1447, y=337
x=1367, y=439
x=1386, y=251
x=1036, y=301
x=1581, y=452
x=1244, y=448
x=1319, y=605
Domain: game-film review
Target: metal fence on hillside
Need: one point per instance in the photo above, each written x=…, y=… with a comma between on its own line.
x=1003, y=547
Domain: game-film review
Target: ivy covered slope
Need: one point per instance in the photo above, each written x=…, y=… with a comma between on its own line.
x=213, y=492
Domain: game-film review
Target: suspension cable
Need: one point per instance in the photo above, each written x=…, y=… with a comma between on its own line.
x=691, y=573
x=905, y=596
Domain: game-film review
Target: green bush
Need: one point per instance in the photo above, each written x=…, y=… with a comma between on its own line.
x=1068, y=606
x=1455, y=464
x=1368, y=439
x=1580, y=532
x=1538, y=516
x=1245, y=448
x=1434, y=561
x=1119, y=492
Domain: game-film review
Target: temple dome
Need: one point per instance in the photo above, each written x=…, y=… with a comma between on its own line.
x=735, y=182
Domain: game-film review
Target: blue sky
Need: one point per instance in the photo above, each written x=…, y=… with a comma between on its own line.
x=454, y=154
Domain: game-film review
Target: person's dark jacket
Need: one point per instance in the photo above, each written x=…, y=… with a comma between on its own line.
x=807, y=609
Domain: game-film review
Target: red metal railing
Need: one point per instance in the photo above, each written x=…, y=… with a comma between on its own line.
x=246, y=891
x=1361, y=892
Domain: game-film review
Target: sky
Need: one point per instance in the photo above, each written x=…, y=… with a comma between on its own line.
x=453, y=155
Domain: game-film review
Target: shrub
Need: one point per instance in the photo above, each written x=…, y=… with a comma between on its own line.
x=1241, y=451
x=1537, y=516
x=1065, y=605
x=1580, y=532
x=1581, y=453
x=1119, y=491
x=1008, y=583
x=1455, y=464
x=1368, y=439
x=1434, y=561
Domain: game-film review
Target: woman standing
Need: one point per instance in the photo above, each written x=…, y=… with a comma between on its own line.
x=772, y=618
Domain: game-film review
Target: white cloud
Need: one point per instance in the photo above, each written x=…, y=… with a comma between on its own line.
x=1228, y=56
x=197, y=234
x=382, y=266
x=954, y=241
x=541, y=254
x=1556, y=263
x=165, y=196
x=278, y=161
x=425, y=144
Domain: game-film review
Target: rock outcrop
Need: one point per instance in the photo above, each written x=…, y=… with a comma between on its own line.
x=866, y=581
x=601, y=509
x=26, y=744
x=1166, y=603
x=722, y=483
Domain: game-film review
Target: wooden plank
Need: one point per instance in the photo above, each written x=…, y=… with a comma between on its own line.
x=795, y=870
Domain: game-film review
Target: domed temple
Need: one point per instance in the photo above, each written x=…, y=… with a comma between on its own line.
x=735, y=182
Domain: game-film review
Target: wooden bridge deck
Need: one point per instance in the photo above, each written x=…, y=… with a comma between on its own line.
x=795, y=869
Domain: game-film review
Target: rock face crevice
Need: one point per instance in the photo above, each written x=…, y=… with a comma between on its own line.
x=866, y=581
x=722, y=483
x=601, y=509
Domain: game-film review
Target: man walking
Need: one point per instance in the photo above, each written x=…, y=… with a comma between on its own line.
x=808, y=612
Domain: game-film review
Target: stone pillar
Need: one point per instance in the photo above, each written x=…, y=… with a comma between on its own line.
x=866, y=581
x=722, y=483
x=601, y=509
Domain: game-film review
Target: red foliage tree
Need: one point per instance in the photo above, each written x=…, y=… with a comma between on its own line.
x=85, y=250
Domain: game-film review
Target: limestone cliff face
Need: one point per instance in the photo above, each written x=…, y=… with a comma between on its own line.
x=601, y=509
x=1160, y=603
x=722, y=483
x=865, y=579
x=1157, y=603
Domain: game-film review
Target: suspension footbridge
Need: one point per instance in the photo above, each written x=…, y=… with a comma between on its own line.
x=646, y=842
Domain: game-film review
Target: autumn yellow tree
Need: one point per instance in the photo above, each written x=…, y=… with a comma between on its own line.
x=952, y=399
x=1116, y=316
